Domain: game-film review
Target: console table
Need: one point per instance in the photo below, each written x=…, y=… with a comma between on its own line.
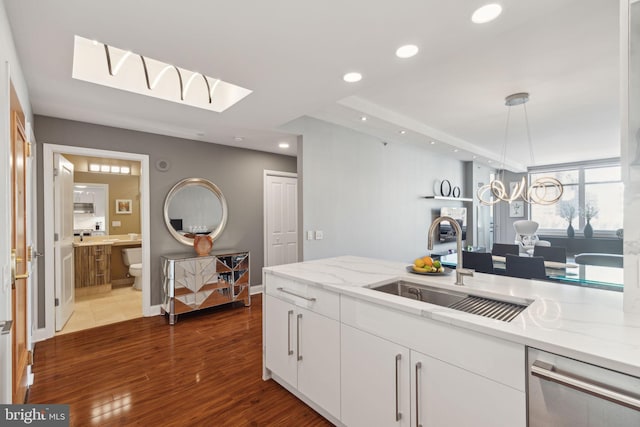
x=192, y=282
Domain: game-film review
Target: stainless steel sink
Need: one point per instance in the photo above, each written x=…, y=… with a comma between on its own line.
x=421, y=292
x=488, y=307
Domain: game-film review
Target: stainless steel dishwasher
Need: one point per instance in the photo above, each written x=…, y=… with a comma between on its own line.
x=566, y=392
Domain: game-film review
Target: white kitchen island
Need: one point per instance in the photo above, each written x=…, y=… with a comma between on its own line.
x=362, y=357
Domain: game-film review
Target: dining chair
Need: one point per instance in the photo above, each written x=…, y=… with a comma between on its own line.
x=481, y=262
x=551, y=253
x=501, y=249
x=525, y=267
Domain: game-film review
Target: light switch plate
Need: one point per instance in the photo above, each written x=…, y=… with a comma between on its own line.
x=309, y=235
x=319, y=235
x=116, y=223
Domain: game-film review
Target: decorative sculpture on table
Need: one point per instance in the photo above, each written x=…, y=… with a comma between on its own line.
x=526, y=236
x=568, y=211
x=589, y=212
x=202, y=243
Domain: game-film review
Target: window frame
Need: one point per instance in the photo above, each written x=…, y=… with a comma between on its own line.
x=581, y=185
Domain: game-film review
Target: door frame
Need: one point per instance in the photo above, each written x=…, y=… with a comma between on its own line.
x=48, y=149
x=265, y=236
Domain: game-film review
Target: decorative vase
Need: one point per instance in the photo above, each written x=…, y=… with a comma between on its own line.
x=588, y=230
x=202, y=244
x=570, y=231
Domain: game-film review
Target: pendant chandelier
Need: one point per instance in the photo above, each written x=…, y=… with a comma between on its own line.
x=542, y=191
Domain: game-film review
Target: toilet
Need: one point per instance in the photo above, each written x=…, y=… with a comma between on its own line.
x=132, y=258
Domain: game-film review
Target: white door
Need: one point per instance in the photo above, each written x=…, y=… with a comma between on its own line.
x=281, y=211
x=319, y=359
x=448, y=395
x=63, y=240
x=375, y=380
x=281, y=339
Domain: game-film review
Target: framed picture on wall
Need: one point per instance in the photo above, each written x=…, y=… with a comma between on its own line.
x=516, y=209
x=123, y=206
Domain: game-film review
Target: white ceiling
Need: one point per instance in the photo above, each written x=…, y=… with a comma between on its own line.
x=293, y=53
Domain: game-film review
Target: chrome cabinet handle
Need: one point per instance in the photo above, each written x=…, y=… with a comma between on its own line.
x=418, y=367
x=398, y=414
x=287, y=291
x=298, y=336
x=547, y=371
x=289, y=350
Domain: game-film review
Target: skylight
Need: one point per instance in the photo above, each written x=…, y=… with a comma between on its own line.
x=110, y=66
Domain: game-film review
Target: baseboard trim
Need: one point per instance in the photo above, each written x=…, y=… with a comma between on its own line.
x=154, y=310
x=256, y=289
x=39, y=334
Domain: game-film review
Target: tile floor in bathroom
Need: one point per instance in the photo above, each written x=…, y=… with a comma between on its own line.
x=102, y=309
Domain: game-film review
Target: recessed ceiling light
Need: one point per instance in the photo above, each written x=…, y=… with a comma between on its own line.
x=407, y=51
x=105, y=168
x=432, y=143
x=490, y=161
x=475, y=157
x=486, y=13
x=115, y=169
x=363, y=118
x=238, y=138
x=455, y=150
x=94, y=167
x=352, y=77
x=283, y=145
x=125, y=169
x=402, y=132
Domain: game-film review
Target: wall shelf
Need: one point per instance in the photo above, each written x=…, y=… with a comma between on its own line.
x=456, y=199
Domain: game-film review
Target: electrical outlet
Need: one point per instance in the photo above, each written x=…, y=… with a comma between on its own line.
x=309, y=235
x=116, y=223
x=319, y=235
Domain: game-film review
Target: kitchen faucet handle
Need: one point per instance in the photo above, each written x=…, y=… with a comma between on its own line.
x=467, y=271
x=460, y=273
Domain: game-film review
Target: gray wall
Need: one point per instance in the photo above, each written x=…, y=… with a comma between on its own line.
x=503, y=224
x=238, y=173
x=367, y=197
x=479, y=215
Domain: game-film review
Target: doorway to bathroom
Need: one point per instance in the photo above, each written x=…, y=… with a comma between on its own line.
x=102, y=231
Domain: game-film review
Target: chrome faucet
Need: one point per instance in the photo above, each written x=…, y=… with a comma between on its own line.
x=82, y=233
x=460, y=272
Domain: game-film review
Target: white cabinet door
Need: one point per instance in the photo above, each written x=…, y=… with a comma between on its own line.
x=318, y=354
x=375, y=380
x=303, y=349
x=280, y=339
x=444, y=394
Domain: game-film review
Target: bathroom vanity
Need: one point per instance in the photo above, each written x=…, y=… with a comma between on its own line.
x=192, y=282
x=92, y=269
x=94, y=264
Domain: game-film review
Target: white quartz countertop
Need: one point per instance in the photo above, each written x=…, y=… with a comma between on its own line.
x=583, y=323
x=113, y=239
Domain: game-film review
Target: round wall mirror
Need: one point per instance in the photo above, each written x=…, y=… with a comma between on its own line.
x=195, y=206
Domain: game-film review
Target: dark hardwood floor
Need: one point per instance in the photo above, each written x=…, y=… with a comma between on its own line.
x=206, y=370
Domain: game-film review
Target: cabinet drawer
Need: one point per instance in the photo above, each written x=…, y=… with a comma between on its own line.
x=491, y=357
x=311, y=297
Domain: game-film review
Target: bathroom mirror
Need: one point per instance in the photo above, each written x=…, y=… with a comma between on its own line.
x=195, y=206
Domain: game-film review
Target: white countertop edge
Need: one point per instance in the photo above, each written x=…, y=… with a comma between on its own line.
x=565, y=338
